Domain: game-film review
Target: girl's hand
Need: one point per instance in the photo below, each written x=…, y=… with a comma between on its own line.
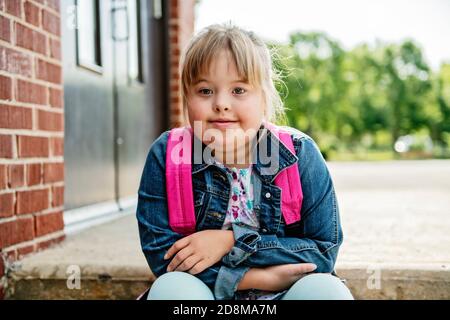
x=199, y=250
x=283, y=276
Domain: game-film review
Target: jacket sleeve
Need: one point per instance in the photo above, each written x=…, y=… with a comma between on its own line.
x=157, y=237
x=318, y=236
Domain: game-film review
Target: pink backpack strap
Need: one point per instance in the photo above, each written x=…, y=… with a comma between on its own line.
x=180, y=195
x=288, y=180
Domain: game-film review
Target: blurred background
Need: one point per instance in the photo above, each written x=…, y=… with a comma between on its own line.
x=369, y=80
x=86, y=86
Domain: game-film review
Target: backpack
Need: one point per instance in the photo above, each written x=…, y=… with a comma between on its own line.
x=180, y=195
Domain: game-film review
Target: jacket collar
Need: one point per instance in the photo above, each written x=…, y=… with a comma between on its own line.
x=267, y=171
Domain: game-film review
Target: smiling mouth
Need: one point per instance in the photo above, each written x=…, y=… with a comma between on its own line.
x=223, y=120
x=222, y=123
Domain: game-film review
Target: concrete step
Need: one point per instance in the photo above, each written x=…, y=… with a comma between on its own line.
x=110, y=265
x=107, y=258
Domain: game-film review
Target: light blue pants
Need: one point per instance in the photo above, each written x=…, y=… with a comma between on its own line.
x=178, y=285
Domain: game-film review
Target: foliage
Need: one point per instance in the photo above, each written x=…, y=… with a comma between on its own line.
x=366, y=97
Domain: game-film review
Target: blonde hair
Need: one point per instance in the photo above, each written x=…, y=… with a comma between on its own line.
x=251, y=56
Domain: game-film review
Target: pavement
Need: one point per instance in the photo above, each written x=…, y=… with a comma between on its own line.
x=396, y=222
x=395, y=217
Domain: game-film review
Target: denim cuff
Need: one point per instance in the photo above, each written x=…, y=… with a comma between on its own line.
x=245, y=241
x=227, y=282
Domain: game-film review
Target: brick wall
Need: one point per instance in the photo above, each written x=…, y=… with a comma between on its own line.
x=181, y=28
x=31, y=128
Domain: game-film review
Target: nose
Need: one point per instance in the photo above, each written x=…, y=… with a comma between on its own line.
x=219, y=108
x=221, y=103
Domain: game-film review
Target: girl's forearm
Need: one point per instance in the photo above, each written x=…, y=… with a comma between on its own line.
x=251, y=280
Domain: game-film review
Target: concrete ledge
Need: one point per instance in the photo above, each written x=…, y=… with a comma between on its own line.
x=396, y=282
x=112, y=266
x=107, y=259
x=414, y=282
x=91, y=289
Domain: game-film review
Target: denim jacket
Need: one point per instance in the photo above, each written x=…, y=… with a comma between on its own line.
x=316, y=238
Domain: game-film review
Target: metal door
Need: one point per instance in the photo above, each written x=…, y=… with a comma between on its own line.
x=114, y=105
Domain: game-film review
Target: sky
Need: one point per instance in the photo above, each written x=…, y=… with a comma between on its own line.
x=350, y=22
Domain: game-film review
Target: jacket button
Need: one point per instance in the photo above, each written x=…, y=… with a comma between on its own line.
x=268, y=195
x=215, y=214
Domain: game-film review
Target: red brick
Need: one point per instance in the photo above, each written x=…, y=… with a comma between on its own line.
x=50, y=121
x=175, y=87
x=3, y=177
x=47, y=243
x=30, y=39
x=57, y=146
x=10, y=254
x=53, y=172
x=51, y=22
x=30, y=147
x=48, y=71
x=5, y=88
x=57, y=196
x=2, y=267
x=13, y=7
x=31, y=13
x=6, y=146
x=25, y=231
x=54, y=4
x=31, y=92
x=15, y=117
x=48, y=223
x=34, y=174
x=16, y=175
x=32, y=201
x=16, y=62
x=174, y=14
x=55, y=49
x=16, y=231
x=175, y=76
x=22, y=252
x=5, y=29
x=6, y=205
x=175, y=99
x=56, y=99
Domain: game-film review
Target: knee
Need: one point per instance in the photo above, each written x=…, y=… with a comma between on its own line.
x=179, y=286
x=318, y=286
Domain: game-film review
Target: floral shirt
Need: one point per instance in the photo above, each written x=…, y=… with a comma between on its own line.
x=240, y=210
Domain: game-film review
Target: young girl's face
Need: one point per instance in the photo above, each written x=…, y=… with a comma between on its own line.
x=221, y=100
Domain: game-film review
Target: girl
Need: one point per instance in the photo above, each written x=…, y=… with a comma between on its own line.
x=242, y=247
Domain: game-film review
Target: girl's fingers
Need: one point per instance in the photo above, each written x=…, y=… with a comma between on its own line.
x=197, y=268
x=188, y=263
x=179, y=258
x=306, y=267
x=177, y=246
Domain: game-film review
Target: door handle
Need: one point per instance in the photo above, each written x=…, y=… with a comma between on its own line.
x=157, y=9
x=119, y=16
